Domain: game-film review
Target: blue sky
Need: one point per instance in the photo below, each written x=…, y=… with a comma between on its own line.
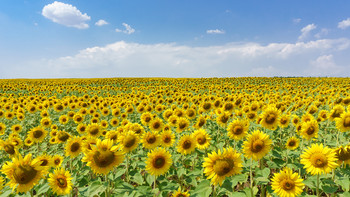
x=182, y=38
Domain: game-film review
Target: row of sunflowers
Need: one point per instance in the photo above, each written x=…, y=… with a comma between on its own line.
x=175, y=137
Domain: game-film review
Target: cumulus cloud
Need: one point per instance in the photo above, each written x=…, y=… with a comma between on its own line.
x=65, y=14
x=305, y=31
x=322, y=33
x=324, y=66
x=101, y=22
x=128, y=29
x=215, y=31
x=123, y=59
x=344, y=24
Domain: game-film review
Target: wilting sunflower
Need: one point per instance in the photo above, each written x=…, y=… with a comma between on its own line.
x=318, y=159
x=167, y=138
x=38, y=134
x=343, y=122
x=158, y=161
x=309, y=129
x=129, y=141
x=257, y=145
x=9, y=147
x=23, y=173
x=219, y=165
x=292, y=143
x=202, y=138
x=343, y=155
x=186, y=145
x=73, y=147
x=103, y=157
x=269, y=118
x=238, y=129
x=179, y=193
x=60, y=182
x=56, y=160
x=150, y=140
x=287, y=184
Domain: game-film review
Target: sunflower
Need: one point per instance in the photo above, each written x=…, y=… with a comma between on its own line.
x=81, y=128
x=292, y=143
x=201, y=120
x=2, y=128
x=295, y=120
x=62, y=136
x=179, y=193
x=336, y=112
x=219, y=165
x=38, y=134
x=156, y=125
x=16, y=128
x=112, y=135
x=172, y=120
x=45, y=122
x=9, y=148
x=28, y=141
x=146, y=118
x=158, y=161
x=78, y=118
x=103, y=157
x=88, y=143
x=323, y=115
x=186, y=144
x=129, y=141
x=58, y=107
x=45, y=160
x=114, y=122
x=343, y=155
x=23, y=173
x=150, y=140
x=238, y=129
x=269, y=118
x=167, y=138
x=257, y=145
x=60, y=182
x=73, y=147
x=286, y=183
x=318, y=159
x=284, y=121
x=343, y=122
x=223, y=119
x=94, y=130
x=182, y=124
x=63, y=119
x=202, y=138
x=56, y=160
x=309, y=129
x=191, y=113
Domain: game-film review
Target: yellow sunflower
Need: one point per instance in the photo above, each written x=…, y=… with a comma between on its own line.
x=318, y=159
x=257, y=145
x=45, y=160
x=63, y=119
x=129, y=141
x=23, y=173
x=156, y=125
x=269, y=118
x=238, y=129
x=158, y=161
x=179, y=193
x=16, y=128
x=201, y=120
x=2, y=128
x=103, y=157
x=343, y=155
x=167, y=138
x=60, y=182
x=284, y=121
x=309, y=129
x=94, y=130
x=219, y=165
x=73, y=147
x=223, y=119
x=38, y=134
x=182, y=124
x=9, y=147
x=56, y=161
x=292, y=143
x=343, y=122
x=186, y=145
x=202, y=138
x=150, y=140
x=287, y=184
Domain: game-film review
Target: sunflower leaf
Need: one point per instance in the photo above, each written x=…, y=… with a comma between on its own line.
x=203, y=189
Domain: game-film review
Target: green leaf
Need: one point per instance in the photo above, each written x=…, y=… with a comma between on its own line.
x=345, y=194
x=137, y=178
x=203, y=189
x=95, y=188
x=329, y=189
x=238, y=194
x=344, y=183
x=43, y=189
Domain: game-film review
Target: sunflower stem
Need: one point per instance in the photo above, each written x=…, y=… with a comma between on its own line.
x=263, y=188
x=251, y=178
x=214, y=191
x=127, y=169
x=107, y=189
x=317, y=185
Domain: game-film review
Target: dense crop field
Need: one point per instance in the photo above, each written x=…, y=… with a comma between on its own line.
x=175, y=137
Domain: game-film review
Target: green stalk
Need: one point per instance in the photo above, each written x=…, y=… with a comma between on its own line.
x=318, y=185
x=107, y=189
x=251, y=178
x=263, y=188
x=214, y=191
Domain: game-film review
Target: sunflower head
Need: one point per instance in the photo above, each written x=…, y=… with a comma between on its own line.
x=202, y=138
x=257, y=145
x=129, y=141
x=292, y=143
x=270, y=118
x=186, y=144
x=158, y=161
x=309, y=129
x=179, y=193
x=238, y=129
x=167, y=138
x=60, y=182
x=73, y=147
x=343, y=155
x=150, y=140
x=287, y=183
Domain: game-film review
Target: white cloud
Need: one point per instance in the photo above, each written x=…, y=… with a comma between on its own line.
x=65, y=14
x=101, y=22
x=123, y=59
x=215, y=31
x=324, y=66
x=296, y=20
x=305, y=31
x=128, y=29
x=344, y=24
x=322, y=33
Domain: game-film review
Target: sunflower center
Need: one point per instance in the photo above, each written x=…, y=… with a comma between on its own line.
x=336, y=114
x=61, y=182
x=182, y=125
x=223, y=166
x=186, y=144
x=319, y=160
x=310, y=130
x=44, y=162
x=159, y=162
x=57, y=161
x=37, y=133
x=343, y=155
x=201, y=122
x=224, y=119
x=237, y=130
x=167, y=139
x=63, y=136
x=129, y=141
x=24, y=174
x=201, y=140
x=270, y=118
x=103, y=159
x=147, y=119
x=156, y=125
x=291, y=143
x=9, y=149
x=346, y=122
x=151, y=139
x=257, y=146
x=283, y=121
x=94, y=131
x=287, y=184
x=74, y=147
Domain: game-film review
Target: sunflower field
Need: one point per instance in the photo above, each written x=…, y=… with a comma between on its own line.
x=175, y=137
